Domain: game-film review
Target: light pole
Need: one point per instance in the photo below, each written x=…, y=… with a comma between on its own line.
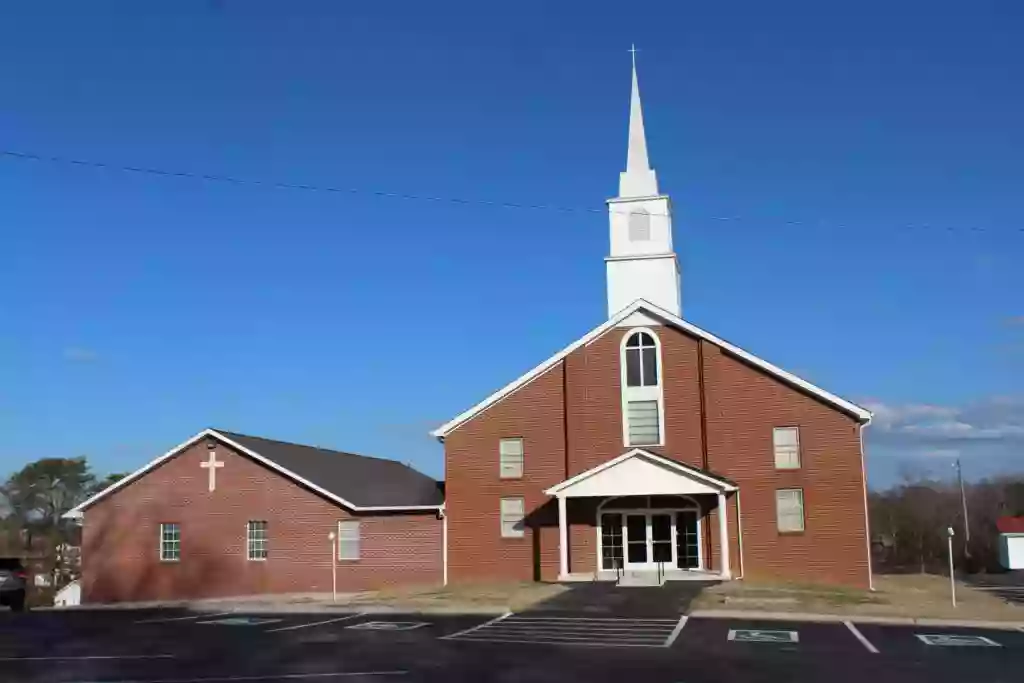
x=952, y=578
x=963, y=503
x=334, y=568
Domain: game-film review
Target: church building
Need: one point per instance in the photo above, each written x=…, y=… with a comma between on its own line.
x=647, y=450
x=650, y=449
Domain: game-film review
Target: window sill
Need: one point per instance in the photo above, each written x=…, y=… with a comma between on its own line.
x=166, y=561
x=348, y=559
x=787, y=469
x=257, y=559
x=792, y=533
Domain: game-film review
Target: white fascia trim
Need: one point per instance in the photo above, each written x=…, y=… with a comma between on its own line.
x=661, y=460
x=533, y=374
x=627, y=200
x=857, y=411
x=77, y=511
x=642, y=257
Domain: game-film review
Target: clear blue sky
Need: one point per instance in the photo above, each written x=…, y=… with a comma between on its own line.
x=840, y=144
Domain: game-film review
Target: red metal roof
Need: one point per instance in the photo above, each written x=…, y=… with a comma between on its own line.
x=1010, y=525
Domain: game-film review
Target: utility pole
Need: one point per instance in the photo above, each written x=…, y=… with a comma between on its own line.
x=963, y=502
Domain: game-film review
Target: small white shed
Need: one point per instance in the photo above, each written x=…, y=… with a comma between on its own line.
x=1011, y=542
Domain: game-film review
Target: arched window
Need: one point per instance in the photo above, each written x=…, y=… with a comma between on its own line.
x=641, y=361
x=642, y=394
x=639, y=225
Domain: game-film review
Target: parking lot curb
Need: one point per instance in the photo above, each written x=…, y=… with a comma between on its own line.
x=860, y=619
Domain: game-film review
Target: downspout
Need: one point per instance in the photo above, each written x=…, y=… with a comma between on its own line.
x=565, y=414
x=708, y=550
x=867, y=519
x=739, y=531
x=444, y=546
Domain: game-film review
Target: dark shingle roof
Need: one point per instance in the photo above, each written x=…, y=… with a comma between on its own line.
x=359, y=479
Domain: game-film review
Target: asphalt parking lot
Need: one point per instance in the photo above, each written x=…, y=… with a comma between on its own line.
x=163, y=646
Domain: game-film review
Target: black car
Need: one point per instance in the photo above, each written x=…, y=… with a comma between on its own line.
x=12, y=583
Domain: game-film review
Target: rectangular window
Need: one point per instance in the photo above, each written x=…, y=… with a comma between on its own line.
x=644, y=427
x=789, y=509
x=348, y=540
x=510, y=455
x=513, y=512
x=786, y=441
x=170, y=542
x=256, y=540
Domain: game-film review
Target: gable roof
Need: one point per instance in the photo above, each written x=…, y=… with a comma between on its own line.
x=640, y=305
x=359, y=482
x=715, y=480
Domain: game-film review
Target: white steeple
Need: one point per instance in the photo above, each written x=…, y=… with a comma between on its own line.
x=641, y=263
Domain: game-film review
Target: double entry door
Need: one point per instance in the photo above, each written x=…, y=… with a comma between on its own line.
x=649, y=539
x=642, y=539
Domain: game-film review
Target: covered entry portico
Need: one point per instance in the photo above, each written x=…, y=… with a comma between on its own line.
x=649, y=510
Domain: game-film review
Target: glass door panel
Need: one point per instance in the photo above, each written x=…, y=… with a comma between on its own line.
x=636, y=539
x=661, y=537
x=687, y=542
x=611, y=540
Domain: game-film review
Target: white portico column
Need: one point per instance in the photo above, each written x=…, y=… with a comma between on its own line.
x=723, y=536
x=563, y=540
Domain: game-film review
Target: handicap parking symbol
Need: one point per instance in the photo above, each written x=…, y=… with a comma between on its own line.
x=762, y=636
x=955, y=640
x=240, y=621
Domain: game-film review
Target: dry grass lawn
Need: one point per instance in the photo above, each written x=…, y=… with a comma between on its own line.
x=511, y=595
x=917, y=595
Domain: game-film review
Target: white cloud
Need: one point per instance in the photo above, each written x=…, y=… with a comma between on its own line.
x=998, y=418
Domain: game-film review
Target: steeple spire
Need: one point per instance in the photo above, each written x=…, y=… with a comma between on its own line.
x=636, y=156
x=641, y=262
x=639, y=179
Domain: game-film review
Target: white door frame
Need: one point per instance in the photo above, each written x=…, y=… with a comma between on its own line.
x=671, y=511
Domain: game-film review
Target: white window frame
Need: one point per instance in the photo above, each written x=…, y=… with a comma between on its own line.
x=252, y=550
x=776, y=452
x=506, y=470
x=803, y=512
x=514, y=532
x=355, y=540
x=166, y=544
x=655, y=393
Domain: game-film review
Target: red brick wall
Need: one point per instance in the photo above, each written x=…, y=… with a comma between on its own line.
x=742, y=406
x=120, y=555
x=476, y=550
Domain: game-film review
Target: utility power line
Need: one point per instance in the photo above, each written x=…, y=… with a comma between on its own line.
x=304, y=187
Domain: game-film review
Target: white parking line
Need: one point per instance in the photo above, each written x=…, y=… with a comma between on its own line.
x=676, y=631
x=317, y=623
x=264, y=677
x=495, y=620
x=609, y=632
x=193, y=616
x=59, y=657
x=860, y=636
x=584, y=643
